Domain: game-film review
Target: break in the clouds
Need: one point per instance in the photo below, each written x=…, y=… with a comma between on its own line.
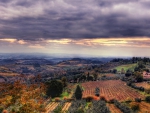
x=74, y=19
x=98, y=27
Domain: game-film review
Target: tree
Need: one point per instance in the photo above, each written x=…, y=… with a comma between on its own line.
x=64, y=81
x=54, y=88
x=88, y=75
x=78, y=93
x=114, y=71
x=97, y=90
x=135, y=106
x=128, y=73
x=95, y=76
x=138, y=76
x=122, y=71
x=147, y=99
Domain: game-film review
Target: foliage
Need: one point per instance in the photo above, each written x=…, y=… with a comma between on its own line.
x=54, y=88
x=138, y=76
x=1, y=109
x=137, y=99
x=134, y=106
x=147, y=99
x=122, y=107
x=22, y=96
x=64, y=81
x=135, y=87
x=78, y=93
x=95, y=76
x=89, y=98
x=97, y=91
x=80, y=110
x=57, y=99
x=58, y=109
x=77, y=105
x=103, y=98
x=139, y=67
x=100, y=107
x=115, y=71
x=147, y=91
x=128, y=73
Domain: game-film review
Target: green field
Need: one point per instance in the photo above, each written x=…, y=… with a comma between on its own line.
x=126, y=67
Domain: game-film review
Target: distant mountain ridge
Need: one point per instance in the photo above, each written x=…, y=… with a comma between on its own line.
x=75, y=61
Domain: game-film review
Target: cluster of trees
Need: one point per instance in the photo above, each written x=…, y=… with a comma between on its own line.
x=147, y=99
x=122, y=107
x=132, y=60
x=77, y=107
x=139, y=67
x=20, y=97
x=99, y=107
x=135, y=87
x=55, y=87
x=138, y=59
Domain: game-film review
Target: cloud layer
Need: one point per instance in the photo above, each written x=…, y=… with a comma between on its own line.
x=73, y=19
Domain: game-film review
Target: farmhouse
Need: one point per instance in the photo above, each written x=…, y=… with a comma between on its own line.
x=146, y=74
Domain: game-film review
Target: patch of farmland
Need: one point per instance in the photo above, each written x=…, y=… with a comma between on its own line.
x=126, y=67
x=144, y=107
x=145, y=85
x=8, y=74
x=111, y=89
x=51, y=106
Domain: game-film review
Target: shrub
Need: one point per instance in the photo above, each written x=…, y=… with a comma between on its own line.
x=65, y=98
x=100, y=107
x=88, y=98
x=111, y=100
x=80, y=110
x=137, y=99
x=103, y=98
x=135, y=106
x=58, y=109
x=122, y=107
x=76, y=105
x=147, y=91
x=147, y=99
x=90, y=105
x=1, y=109
x=70, y=99
x=57, y=99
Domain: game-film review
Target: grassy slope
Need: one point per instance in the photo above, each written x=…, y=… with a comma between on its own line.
x=126, y=67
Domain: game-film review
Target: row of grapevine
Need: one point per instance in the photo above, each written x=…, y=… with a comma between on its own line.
x=51, y=106
x=111, y=89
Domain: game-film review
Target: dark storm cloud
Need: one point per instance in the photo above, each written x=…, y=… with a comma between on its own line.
x=77, y=19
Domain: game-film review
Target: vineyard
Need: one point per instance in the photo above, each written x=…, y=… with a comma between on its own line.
x=144, y=107
x=143, y=84
x=112, y=89
x=51, y=106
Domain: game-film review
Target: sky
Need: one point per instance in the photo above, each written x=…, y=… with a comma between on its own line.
x=90, y=27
